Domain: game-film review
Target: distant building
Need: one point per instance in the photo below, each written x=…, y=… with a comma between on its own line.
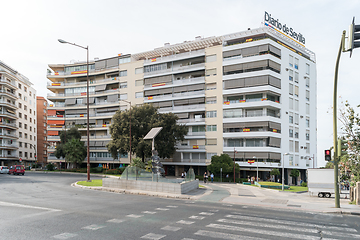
x=251, y=95
x=42, y=145
x=17, y=118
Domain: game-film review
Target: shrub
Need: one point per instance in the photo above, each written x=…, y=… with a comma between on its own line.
x=96, y=170
x=304, y=184
x=50, y=167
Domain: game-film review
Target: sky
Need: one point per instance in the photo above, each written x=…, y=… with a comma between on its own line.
x=30, y=29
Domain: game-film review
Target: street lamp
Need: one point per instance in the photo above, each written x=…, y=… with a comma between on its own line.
x=130, y=123
x=283, y=163
x=87, y=104
x=257, y=168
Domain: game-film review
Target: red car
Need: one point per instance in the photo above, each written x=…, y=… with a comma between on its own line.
x=17, y=170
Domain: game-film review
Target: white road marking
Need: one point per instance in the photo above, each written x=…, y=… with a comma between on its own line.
x=197, y=217
x=260, y=224
x=115, y=220
x=65, y=236
x=341, y=234
x=93, y=227
x=134, y=216
x=172, y=206
x=291, y=223
x=170, y=228
x=7, y=204
x=213, y=210
x=188, y=239
x=206, y=213
x=227, y=205
x=148, y=212
x=262, y=231
x=219, y=235
x=190, y=202
x=153, y=236
x=162, y=209
x=184, y=222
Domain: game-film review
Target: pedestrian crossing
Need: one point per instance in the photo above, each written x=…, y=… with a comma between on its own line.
x=225, y=224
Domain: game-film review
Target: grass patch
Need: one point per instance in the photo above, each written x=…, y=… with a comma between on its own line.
x=201, y=186
x=93, y=183
x=270, y=183
x=353, y=202
x=296, y=189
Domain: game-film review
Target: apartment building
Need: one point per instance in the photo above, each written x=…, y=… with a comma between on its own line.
x=41, y=108
x=251, y=95
x=18, y=118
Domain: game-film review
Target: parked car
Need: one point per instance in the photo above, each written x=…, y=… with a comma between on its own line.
x=4, y=169
x=17, y=170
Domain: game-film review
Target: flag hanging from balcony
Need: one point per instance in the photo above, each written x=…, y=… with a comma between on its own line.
x=195, y=146
x=251, y=161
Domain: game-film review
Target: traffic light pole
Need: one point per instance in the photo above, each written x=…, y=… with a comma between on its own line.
x=336, y=158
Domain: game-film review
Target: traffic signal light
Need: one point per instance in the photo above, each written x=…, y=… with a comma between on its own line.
x=354, y=34
x=342, y=146
x=327, y=155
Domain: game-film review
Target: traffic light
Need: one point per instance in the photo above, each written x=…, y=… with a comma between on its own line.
x=327, y=155
x=354, y=34
x=342, y=146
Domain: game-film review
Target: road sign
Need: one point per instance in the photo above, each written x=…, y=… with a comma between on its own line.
x=20, y=159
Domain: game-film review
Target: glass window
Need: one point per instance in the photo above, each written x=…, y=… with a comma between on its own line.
x=123, y=85
x=211, y=114
x=296, y=91
x=291, y=60
x=25, y=116
x=291, y=89
x=296, y=105
x=25, y=126
x=124, y=60
x=211, y=128
x=123, y=73
x=19, y=85
x=296, y=63
x=308, y=69
x=291, y=103
x=296, y=146
x=123, y=96
x=296, y=118
x=211, y=58
x=139, y=94
x=307, y=79
x=20, y=124
x=25, y=89
x=307, y=147
x=291, y=132
x=210, y=72
x=139, y=82
x=25, y=107
x=307, y=95
x=291, y=118
x=210, y=86
x=20, y=114
x=307, y=134
x=291, y=146
x=291, y=75
x=296, y=77
x=307, y=122
x=20, y=134
x=139, y=70
x=296, y=132
x=198, y=128
x=307, y=108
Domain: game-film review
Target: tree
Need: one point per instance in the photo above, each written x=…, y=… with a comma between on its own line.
x=225, y=162
x=275, y=172
x=329, y=165
x=351, y=131
x=136, y=162
x=75, y=151
x=294, y=173
x=143, y=119
x=67, y=151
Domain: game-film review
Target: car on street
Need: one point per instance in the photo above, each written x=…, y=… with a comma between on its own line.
x=17, y=170
x=4, y=169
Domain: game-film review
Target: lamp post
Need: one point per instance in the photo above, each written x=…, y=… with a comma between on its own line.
x=129, y=124
x=283, y=163
x=234, y=164
x=87, y=104
x=257, y=169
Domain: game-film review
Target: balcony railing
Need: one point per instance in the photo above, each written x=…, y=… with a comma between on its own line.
x=81, y=94
x=230, y=102
x=191, y=120
x=184, y=94
x=185, y=107
x=62, y=73
x=57, y=84
x=2, y=80
x=227, y=115
x=179, y=82
x=8, y=113
x=8, y=134
x=96, y=137
x=7, y=92
x=195, y=147
x=199, y=65
x=8, y=145
x=9, y=156
x=178, y=56
x=8, y=124
x=8, y=103
x=196, y=134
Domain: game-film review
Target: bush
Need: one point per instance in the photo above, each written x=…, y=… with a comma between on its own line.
x=96, y=170
x=50, y=167
x=304, y=184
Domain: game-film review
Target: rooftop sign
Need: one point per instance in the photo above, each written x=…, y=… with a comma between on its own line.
x=282, y=28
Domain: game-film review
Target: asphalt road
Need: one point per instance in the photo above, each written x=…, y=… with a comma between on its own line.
x=45, y=206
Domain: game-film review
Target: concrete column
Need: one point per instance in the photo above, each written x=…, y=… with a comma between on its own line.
x=176, y=171
x=357, y=193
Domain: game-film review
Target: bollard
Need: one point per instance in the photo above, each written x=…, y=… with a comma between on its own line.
x=357, y=193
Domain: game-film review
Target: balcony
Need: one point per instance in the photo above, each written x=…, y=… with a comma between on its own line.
x=191, y=147
x=176, y=57
x=191, y=120
x=81, y=94
x=5, y=145
x=8, y=156
x=2, y=102
x=178, y=82
x=248, y=115
x=194, y=67
x=13, y=125
x=91, y=71
x=195, y=107
x=96, y=137
x=8, y=114
x=2, y=91
x=62, y=84
x=6, y=81
x=8, y=135
x=176, y=95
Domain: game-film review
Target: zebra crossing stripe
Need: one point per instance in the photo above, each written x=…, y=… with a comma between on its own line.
x=341, y=234
x=65, y=236
x=292, y=223
x=153, y=236
x=261, y=231
x=206, y=213
x=219, y=235
x=259, y=224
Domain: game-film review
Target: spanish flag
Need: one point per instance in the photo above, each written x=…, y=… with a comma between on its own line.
x=153, y=60
x=251, y=161
x=195, y=146
x=83, y=94
x=56, y=84
x=227, y=102
x=246, y=129
x=104, y=125
x=81, y=115
x=78, y=72
x=158, y=84
x=150, y=98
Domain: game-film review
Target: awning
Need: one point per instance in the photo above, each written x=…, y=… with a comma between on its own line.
x=56, y=122
x=53, y=133
x=51, y=112
x=100, y=88
x=10, y=111
x=70, y=101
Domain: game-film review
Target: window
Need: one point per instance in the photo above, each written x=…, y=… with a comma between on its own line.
x=291, y=89
x=296, y=105
x=211, y=114
x=198, y=128
x=307, y=108
x=25, y=89
x=20, y=115
x=139, y=82
x=291, y=60
x=30, y=119
x=211, y=128
x=25, y=145
x=308, y=69
x=25, y=98
x=307, y=79
x=124, y=60
x=296, y=63
x=25, y=107
x=307, y=147
x=291, y=132
x=210, y=100
x=123, y=96
x=307, y=122
x=296, y=132
x=20, y=134
x=123, y=73
x=25, y=116
x=123, y=85
x=25, y=126
x=297, y=118
x=30, y=93
x=296, y=146
x=26, y=154
x=34, y=113
x=20, y=154
x=291, y=75
x=30, y=110
x=291, y=146
x=20, y=144
x=34, y=130
x=26, y=135
x=19, y=85
x=20, y=106
x=211, y=58
x=296, y=91
x=30, y=128
x=210, y=86
x=307, y=95
x=44, y=103
x=34, y=138
x=209, y=155
x=210, y=72
x=291, y=160
x=291, y=118
x=30, y=137
x=30, y=155
x=296, y=77
x=20, y=124
x=307, y=135
x=139, y=70
x=211, y=141
x=139, y=94
x=291, y=103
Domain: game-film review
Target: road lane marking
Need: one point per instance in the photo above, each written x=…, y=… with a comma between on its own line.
x=93, y=227
x=153, y=236
x=148, y=212
x=219, y=235
x=206, y=213
x=134, y=216
x=197, y=217
x=184, y=222
x=172, y=206
x=115, y=220
x=65, y=236
x=214, y=210
x=170, y=228
x=7, y=204
x=162, y=209
x=343, y=235
x=262, y=231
